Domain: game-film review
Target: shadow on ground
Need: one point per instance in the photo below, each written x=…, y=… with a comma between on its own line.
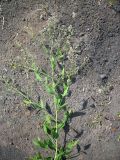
x=11, y=153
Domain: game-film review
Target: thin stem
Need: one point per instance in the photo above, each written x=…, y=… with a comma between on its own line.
x=56, y=132
x=56, y=120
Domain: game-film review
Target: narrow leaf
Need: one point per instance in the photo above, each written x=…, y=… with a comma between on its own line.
x=70, y=145
x=38, y=143
x=53, y=63
x=27, y=101
x=66, y=89
x=54, y=134
x=37, y=76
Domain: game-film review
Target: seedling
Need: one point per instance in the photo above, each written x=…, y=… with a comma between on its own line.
x=57, y=85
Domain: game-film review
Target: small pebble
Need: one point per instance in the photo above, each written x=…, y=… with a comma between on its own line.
x=92, y=105
x=103, y=76
x=83, y=104
x=111, y=88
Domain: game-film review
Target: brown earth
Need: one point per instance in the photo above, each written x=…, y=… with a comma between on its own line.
x=97, y=55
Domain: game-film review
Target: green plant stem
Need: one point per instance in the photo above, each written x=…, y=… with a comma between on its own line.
x=56, y=132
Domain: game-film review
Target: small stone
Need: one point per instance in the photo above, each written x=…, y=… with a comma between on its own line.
x=24, y=19
x=111, y=88
x=12, y=143
x=83, y=104
x=73, y=14
x=103, y=76
x=92, y=105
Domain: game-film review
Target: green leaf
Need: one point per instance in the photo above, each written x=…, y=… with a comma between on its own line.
x=54, y=134
x=59, y=54
x=48, y=119
x=34, y=67
x=50, y=89
x=41, y=104
x=37, y=157
x=66, y=89
x=61, y=154
x=53, y=63
x=62, y=107
x=27, y=101
x=61, y=125
x=38, y=143
x=37, y=76
x=70, y=145
x=47, y=129
x=57, y=100
x=44, y=144
x=36, y=72
x=50, y=144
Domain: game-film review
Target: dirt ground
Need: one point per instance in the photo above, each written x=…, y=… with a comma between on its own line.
x=97, y=56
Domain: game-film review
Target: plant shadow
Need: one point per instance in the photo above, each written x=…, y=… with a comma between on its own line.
x=78, y=135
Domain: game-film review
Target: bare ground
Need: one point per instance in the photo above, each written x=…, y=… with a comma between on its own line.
x=96, y=37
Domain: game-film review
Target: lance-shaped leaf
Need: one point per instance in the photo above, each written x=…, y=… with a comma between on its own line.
x=57, y=100
x=39, y=143
x=27, y=101
x=34, y=67
x=50, y=130
x=47, y=128
x=59, y=54
x=54, y=134
x=53, y=63
x=44, y=144
x=70, y=145
x=61, y=154
x=41, y=104
x=50, y=89
x=37, y=157
x=38, y=76
x=66, y=89
x=50, y=144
